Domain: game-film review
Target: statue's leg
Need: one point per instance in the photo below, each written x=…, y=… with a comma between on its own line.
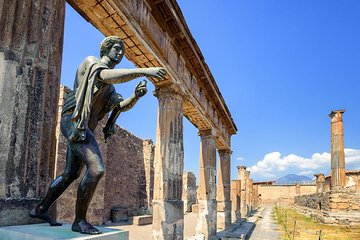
x=58, y=186
x=89, y=152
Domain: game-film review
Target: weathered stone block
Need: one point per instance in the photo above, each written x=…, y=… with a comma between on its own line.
x=195, y=208
x=119, y=214
x=142, y=220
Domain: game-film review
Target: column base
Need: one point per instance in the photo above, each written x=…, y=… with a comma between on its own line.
x=168, y=219
x=207, y=219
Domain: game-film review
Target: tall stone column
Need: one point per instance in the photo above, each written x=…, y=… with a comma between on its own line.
x=31, y=42
x=242, y=178
x=223, y=190
x=247, y=192
x=337, y=149
x=206, y=224
x=256, y=196
x=168, y=213
x=320, y=182
x=251, y=196
x=235, y=200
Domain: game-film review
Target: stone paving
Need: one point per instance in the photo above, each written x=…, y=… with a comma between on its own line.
x=259, y=226
x=266, y=228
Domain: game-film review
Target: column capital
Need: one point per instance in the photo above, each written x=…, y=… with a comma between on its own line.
x=318, y=175
x=170, y=89
x=241, y=167
x=207, y=133
x=336, y=115
x=224, y=152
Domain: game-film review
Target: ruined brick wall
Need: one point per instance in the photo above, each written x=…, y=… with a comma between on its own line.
x=149, y=153
x=284, y=194
x=124, y=183
x=352, y=180
x=345, y=200
x=320, y=201
x=340, y=206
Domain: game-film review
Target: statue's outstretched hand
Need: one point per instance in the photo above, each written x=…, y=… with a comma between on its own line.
x=157, y=72
x=141, y=89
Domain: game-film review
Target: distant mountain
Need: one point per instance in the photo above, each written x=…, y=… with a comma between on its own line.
x=293, y=179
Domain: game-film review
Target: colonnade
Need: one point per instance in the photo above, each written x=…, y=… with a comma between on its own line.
x=213, y=199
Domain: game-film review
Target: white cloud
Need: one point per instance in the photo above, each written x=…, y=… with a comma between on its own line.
x=274, y=166
x=240, y=158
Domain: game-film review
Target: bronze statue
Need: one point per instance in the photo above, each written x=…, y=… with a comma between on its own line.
x=92, y=98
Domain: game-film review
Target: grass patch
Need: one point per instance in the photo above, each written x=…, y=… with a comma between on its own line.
x=308, y=229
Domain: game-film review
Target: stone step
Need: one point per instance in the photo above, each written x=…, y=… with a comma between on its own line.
x=45, y=232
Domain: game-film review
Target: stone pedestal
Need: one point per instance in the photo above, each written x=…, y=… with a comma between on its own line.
x=46, y=232
x=168, y=213
x=207, y=186
x=337, y=149
x=223, y=190
x=31, y=41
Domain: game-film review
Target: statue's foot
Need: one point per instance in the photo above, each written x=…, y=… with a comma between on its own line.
x=85, y=228
x=44, y=216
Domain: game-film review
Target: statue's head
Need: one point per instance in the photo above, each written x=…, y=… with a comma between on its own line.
x=113, y=47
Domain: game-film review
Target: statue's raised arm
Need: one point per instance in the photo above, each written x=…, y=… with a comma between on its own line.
x=113, y=76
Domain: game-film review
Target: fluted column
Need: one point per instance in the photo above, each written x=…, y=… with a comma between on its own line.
x=337, y=149
x=206, y=224
x=168, y=213
x=31, y=42
x=320, y=182
x=223, y=190
x=242, y=178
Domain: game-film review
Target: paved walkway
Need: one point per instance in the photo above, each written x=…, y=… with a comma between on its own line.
x=263, y=225
x=266, y=228
x=145, y=232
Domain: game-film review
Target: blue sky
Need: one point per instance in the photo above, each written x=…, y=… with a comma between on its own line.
x=281, y=65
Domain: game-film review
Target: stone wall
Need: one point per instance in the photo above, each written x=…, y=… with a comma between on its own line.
x=125, y=179
x=352, y=180
x=340, y=206
x=320, y=201
x=283, y=194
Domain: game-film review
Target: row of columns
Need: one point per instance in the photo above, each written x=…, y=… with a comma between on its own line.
x=244, y=195
x=168, y=208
